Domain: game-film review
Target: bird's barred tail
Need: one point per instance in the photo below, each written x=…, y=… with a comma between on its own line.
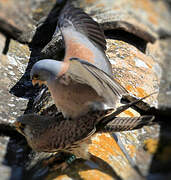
x=127, y=123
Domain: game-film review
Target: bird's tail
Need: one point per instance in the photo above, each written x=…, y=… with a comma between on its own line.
x=127, y=123
x=131, y=104
x=111, y=123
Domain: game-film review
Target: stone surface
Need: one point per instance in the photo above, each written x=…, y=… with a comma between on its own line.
x=11, y=67
x=140, y=60
x=18, y=19
x=165, y=83
x=148, y=14
x=5, y=170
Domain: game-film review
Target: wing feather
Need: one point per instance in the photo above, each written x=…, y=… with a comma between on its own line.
x=106, y=87
x=82, y=23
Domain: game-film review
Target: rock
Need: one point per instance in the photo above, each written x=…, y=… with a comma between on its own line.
x=4, y=170
x=146, y=14
x=139, y=57
x=14, y=21
x=20, y=22
x=11, y=67
x=165, y=88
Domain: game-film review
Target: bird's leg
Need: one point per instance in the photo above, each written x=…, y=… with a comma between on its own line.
x=62, y=163
x=61, y=166
x=66, y=163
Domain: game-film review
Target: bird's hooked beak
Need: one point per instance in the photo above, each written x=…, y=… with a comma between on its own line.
x=39, y=82
x=19, y=127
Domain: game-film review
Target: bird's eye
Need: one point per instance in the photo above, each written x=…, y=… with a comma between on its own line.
x=36, y=76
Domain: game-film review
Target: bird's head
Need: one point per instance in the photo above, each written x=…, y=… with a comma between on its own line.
x=19, y=127
x=31, y=125
x=24, y=124
x=46, y=70
x=31, y=128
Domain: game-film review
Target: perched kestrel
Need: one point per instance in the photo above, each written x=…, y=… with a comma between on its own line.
x=54, y=134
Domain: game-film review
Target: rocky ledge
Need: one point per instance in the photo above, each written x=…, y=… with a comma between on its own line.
x=138, y=45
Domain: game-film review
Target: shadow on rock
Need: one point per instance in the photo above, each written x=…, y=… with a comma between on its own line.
x=160, y=166
x=41, y=169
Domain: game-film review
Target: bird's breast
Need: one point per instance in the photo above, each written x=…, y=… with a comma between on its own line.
x=71, y=98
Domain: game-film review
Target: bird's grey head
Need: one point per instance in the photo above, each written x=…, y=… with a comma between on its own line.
x=45, y=70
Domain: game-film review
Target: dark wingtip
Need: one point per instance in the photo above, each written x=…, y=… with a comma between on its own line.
x=148, y=119
x=82, y=23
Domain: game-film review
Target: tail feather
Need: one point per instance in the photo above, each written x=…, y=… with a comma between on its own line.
x=111, y=123
x=126, y=106
x=127, y=123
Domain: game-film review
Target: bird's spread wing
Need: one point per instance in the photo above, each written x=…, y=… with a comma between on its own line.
x=106, y=87
x=71, y=16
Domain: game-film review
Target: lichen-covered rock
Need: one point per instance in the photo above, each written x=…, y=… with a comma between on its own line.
x=140, y=61
x=18, y=19
x=146, y=14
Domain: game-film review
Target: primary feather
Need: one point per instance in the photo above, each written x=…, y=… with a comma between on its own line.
x=106, y=87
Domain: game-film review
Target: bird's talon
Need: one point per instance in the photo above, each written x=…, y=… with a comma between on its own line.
x=61, y=166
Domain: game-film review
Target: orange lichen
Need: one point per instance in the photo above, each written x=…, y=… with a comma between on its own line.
x=90, y=1
x=132, y=150
x=94, y=174
x=148, y=7
x=100, y=5
x=106, y=144
x=151, y=145
x=129, y=88
x=153, y=19
x=105, y=147
x=129, y=113
x=62, y=177
x=141, y=92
